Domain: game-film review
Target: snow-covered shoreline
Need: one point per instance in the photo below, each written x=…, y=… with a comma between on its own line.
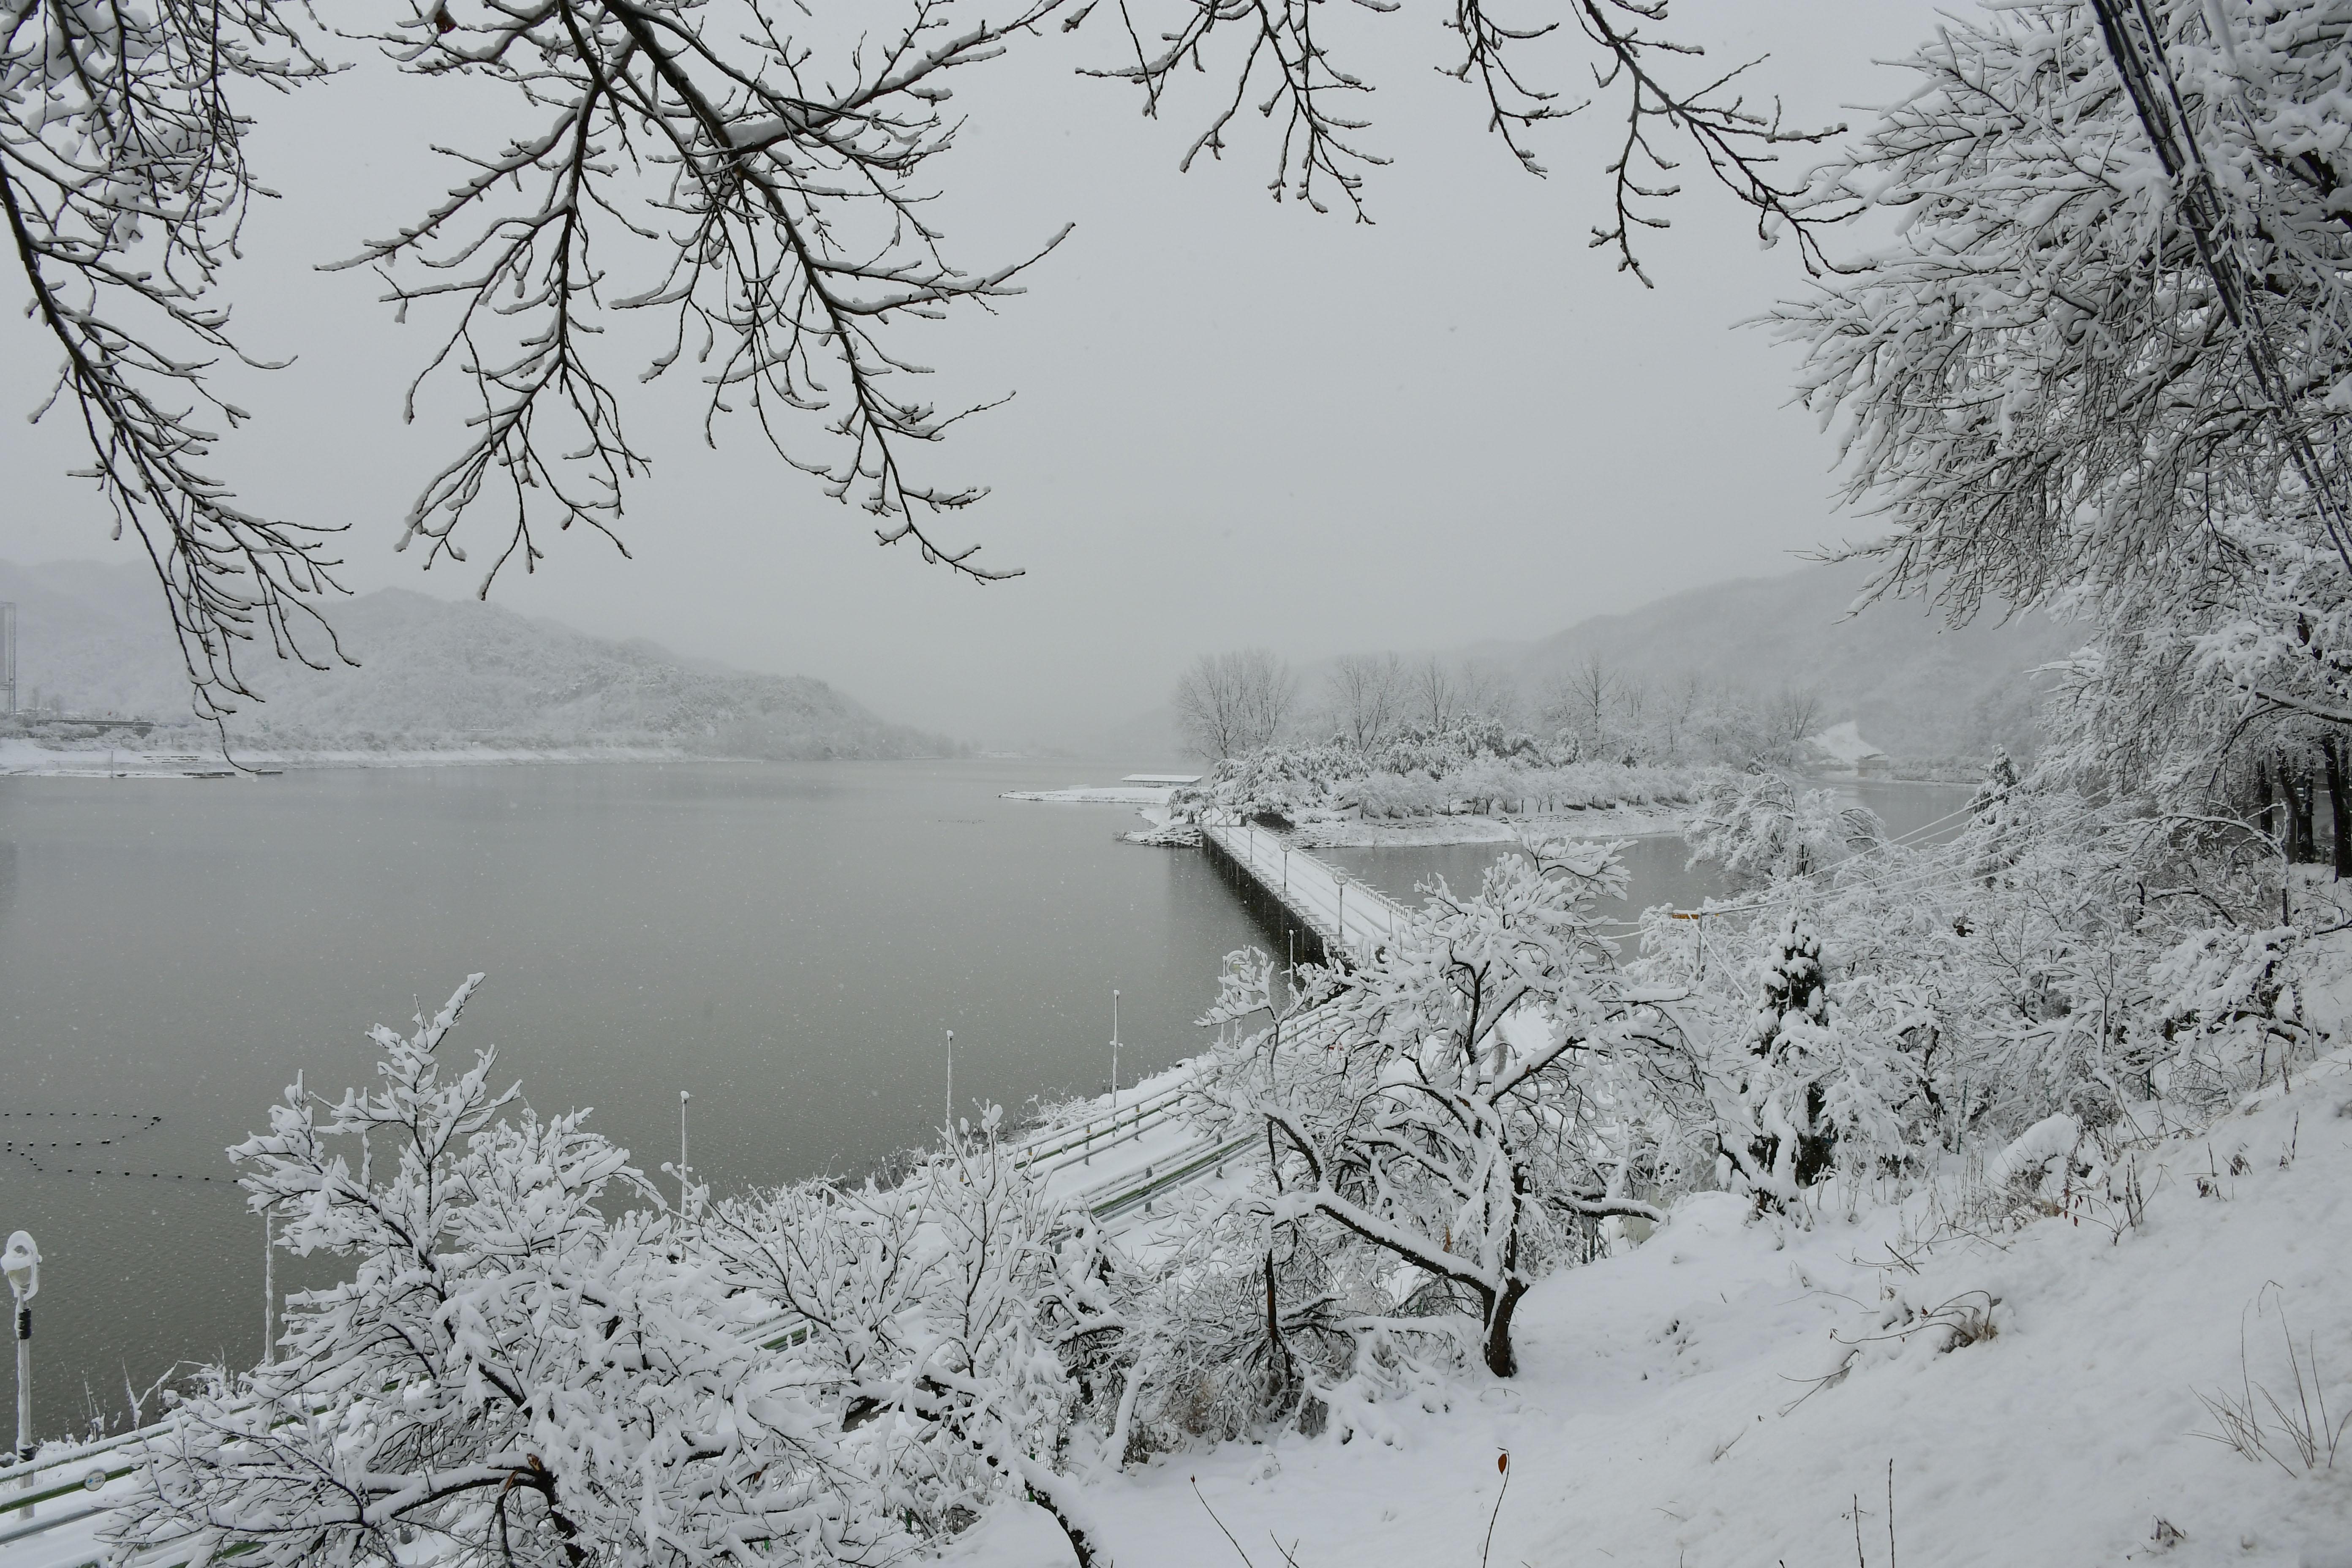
x=1597, y=822
x=200, y=759
x=1093, y=795
x=25, y=759
x=1357, y=832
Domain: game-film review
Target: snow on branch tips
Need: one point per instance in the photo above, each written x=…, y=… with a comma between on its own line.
x=124, y=185
x=2104, y=365
x=754, y=182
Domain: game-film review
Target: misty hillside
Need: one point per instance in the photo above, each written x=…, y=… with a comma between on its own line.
x=431, y=673
x=1916, y=688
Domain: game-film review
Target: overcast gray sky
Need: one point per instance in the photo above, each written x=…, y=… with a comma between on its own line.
x=1236, y=422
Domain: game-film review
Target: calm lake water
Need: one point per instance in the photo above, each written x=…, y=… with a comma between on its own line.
x=785, y=940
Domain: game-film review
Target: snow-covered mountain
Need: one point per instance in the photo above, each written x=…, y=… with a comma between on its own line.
x=432, y=673
x=1914, y=687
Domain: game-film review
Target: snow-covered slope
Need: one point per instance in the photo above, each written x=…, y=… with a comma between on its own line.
x=1734, y=1392
x=1914, y=687
x=433, y=673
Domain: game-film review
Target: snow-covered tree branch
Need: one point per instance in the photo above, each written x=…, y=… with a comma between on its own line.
x=756, y=184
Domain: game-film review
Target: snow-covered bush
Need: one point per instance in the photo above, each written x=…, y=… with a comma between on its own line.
x=1476, y=766
x=2227, y=1003
x=2061, y=955
x=942, y=1319
x=534, y=1359
x=508, y=1375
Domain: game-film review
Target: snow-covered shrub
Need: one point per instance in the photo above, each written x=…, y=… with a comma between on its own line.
x=509, y=1375
x=1809, y=1086
x=2062, y=955
x=943, y=1317
x=2046, y=1162
x=2230, y=1009
x=1243, y=1325
x=1476, y=766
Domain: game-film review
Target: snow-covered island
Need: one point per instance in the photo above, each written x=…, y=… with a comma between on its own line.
x=1473, y=782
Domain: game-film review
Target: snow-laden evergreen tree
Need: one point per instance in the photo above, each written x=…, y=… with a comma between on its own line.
x=1456, y=1101
x=527, y=1364
x=1782, y=1134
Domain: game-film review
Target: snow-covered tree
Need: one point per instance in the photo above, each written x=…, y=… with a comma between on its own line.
x=1805, y=1088
x=1457, y=1098
x=1232, y=704
x=1758, y=828
x=527, y=1363
x=940, y=1320
x=2102, y=365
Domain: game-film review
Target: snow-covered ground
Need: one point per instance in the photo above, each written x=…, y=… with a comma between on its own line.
x=1739, y=1391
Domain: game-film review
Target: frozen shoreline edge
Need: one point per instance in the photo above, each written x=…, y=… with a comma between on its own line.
x=20, y=760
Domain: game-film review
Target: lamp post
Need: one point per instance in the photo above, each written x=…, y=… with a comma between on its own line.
x=1340, y=879
x=682, y=1098
x=950, y=1086
x=1114, y=1064
x=22, y=1262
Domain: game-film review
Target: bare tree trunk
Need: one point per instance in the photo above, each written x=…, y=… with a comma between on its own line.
x=2340, y=831
x=1501, y=1359
x=2306, y=848
x=2269, y=817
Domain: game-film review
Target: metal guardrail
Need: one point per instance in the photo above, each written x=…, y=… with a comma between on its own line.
x=1318, y=895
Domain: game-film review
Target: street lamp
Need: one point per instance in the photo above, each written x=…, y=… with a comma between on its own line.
x=1114, y=1064
x=682, y=1098
x=22, y=1262
x=950, y=1086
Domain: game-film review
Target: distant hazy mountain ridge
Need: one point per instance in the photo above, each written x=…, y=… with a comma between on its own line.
x=1915, y=687
x=432, y=673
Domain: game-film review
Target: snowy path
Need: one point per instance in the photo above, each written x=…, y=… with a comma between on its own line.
x=1346, y=913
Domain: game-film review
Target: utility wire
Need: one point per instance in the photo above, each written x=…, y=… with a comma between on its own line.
x=2136, y=49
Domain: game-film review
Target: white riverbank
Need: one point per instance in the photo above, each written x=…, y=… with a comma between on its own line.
x=1094, y=794
x=196, y=757
x=199, y=756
